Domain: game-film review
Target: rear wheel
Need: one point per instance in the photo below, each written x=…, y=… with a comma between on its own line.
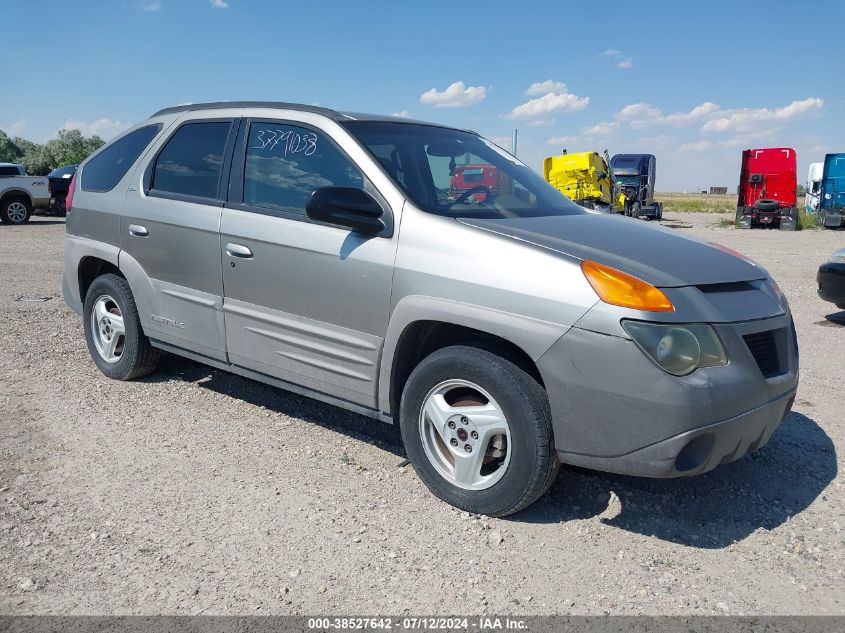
x=59, y=207
x=113, y=330
x=15, y=211
x=477, y=430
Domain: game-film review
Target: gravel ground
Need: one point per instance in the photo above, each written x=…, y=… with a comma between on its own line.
x=195, y=491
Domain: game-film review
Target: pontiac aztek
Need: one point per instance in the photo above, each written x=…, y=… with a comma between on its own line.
x=504, y=328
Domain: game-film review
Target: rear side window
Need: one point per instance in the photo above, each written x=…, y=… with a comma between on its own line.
x=286, y=163
x=9, y=170
x=192, y=160
x=104, y=171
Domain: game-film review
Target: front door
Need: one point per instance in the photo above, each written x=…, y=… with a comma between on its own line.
x=303, y=301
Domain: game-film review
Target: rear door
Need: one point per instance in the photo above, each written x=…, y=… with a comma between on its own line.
x=304, y=301
x=170, y=233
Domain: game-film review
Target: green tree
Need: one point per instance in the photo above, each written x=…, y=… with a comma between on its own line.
x=33, y=157
x=9, y=151
x=69, y=148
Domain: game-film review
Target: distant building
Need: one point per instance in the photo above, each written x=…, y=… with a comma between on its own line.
x=718, y=191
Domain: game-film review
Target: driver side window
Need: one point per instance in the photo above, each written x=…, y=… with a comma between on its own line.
x=286, y=163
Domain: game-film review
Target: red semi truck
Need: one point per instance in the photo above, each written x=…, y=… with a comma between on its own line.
x=768, y=189
x=475, y=181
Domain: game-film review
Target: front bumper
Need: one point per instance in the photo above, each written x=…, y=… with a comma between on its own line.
x=614, y=410
x=784, y=218
x=831, y=280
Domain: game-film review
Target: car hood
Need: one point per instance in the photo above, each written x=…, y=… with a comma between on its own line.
x=657, y=255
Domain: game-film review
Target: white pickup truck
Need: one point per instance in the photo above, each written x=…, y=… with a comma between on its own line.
x=20, y=194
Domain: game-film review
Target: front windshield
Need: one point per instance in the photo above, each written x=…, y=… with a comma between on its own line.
x=459, y=174
x=628, y=181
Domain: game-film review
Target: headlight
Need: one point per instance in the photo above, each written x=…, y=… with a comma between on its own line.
x=678, y=349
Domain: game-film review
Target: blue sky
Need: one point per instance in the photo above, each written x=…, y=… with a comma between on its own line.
x=692, y=82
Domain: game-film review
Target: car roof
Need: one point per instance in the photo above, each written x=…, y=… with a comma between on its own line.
x=10, y=165
x=334, y=115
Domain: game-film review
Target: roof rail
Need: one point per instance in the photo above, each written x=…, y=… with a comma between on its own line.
x=217, y=105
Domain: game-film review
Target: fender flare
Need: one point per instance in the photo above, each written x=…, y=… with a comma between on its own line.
x=533, y=336
x=18, y=191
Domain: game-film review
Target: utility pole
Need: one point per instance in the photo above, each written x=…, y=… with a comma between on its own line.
x=514, y=141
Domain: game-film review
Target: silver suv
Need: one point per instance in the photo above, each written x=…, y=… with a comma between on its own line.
x=417, y=273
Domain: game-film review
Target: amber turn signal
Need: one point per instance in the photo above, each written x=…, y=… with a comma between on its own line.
x=621, y=289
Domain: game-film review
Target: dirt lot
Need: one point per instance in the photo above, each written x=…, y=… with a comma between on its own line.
x=195, y=491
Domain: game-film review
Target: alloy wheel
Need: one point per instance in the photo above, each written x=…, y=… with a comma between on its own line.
x=16, y=212
x=107, y=329
x=465, y=434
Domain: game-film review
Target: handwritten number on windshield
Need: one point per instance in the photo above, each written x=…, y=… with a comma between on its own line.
x=286, y=142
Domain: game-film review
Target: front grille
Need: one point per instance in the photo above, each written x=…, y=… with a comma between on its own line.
x=764, y=348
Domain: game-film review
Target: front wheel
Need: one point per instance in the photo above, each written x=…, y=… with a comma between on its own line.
x=635, y=210
x=477, y=430
x=113, y=330
x=15, y=211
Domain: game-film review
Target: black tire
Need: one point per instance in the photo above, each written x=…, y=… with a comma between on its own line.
x=533, y=464
x=635, y=210
x=59, y=208
x=10, y=211
x=138, y=357
x=767, y=205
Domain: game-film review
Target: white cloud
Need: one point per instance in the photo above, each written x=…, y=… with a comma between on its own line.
x=404, y=114
x=15, y=129
x=104, y=128
x=458, y=95
x=505, y=142
x=744, y=141
x=545, y=87
x=561, y=141
x=698, y=112
x=601, y=129
x=748, y=118
x=540, y=122
x=698, y=146
x=639, y=114
x=149, y=5
x=548, y=103
x=612, y=53
x=219, y=4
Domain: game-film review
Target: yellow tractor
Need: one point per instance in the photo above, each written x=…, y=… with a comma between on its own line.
x=586, y=179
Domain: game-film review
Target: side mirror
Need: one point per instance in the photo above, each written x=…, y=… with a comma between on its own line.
x=346, y=206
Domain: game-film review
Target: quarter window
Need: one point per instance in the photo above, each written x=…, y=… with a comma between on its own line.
x=104, y=171
x=286, y=163
x=192, y=160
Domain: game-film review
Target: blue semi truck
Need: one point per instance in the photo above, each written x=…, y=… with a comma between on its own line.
x=832, y=196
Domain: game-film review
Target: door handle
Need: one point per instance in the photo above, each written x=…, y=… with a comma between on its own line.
x=237, y=250
x=138, y=231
